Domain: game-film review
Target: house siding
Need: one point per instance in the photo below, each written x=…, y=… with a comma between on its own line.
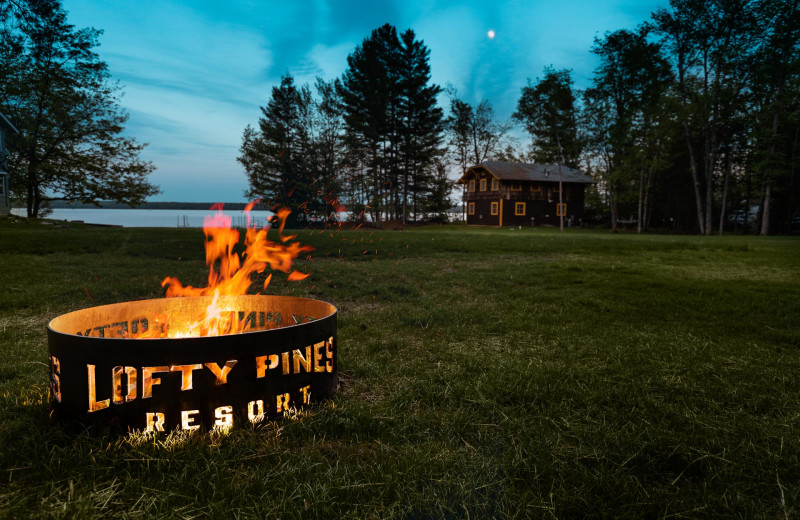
x=483, y=201
x=540, y=207
x=483, y=213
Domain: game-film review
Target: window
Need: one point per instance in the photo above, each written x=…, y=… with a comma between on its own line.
x=536, y=187
x=495, y=208
x=516, y=186
x=561, y=210
x=519, y=208
x=472, y=186
x=471, y=208
x=483, y=184
x=495, y=184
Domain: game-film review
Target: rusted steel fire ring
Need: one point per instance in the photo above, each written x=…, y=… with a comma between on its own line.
x=285, y=358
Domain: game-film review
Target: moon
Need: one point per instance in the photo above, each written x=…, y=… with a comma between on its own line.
x=490, y=34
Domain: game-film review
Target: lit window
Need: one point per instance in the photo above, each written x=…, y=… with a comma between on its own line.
x=516, y=186
x=536, y=187
x=561, y=210
x=472, y=186
x=471, y=208
x=495, y=184
x=519, y=208
x=483, y=184
x=495, y=208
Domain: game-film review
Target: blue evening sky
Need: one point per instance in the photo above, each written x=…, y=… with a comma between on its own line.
x=195, y=72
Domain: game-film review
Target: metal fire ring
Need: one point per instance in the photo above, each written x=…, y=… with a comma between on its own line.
x=284, y=358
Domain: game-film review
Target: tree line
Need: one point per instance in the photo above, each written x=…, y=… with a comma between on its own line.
x=374, y=142
x=370, y=141
x=692, y=119
x=691, y=122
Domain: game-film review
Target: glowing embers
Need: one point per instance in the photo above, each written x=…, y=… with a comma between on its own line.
x=285, y=358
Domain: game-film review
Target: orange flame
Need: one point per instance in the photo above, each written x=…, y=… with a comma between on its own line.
x=230, y=274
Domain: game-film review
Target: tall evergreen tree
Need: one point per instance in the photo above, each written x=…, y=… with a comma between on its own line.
x=421, y=129
x=279, y=157
x=391, y=115
x=331, y=150
x=369, y=97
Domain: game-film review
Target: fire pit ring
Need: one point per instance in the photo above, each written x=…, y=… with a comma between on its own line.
x=284, y=358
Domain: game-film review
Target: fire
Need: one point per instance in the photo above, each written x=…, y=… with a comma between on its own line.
x=229, y=273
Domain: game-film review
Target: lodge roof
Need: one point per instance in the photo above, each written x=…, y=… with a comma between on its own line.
x=5, y=123
x=508, y=171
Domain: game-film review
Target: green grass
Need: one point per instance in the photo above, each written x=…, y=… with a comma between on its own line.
x=486, y=374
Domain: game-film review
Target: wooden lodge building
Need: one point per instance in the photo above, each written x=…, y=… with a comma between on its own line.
x=519, y=194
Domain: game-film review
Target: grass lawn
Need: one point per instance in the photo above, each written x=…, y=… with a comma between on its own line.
x=486, y=374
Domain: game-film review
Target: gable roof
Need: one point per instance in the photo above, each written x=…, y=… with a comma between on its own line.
x=508, y=171
x=4, y=122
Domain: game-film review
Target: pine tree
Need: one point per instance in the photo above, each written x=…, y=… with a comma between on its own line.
x=332, y=153
x=392, y=118
x=369, y=97
x=422, y=125
x=279, y=157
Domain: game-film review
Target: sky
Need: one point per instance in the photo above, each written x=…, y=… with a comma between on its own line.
x=195, y=72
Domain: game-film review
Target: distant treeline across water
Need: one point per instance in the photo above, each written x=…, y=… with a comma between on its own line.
x=108, y=204
x=149, y=217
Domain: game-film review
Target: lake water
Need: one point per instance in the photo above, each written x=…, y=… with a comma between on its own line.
x=151, y=217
